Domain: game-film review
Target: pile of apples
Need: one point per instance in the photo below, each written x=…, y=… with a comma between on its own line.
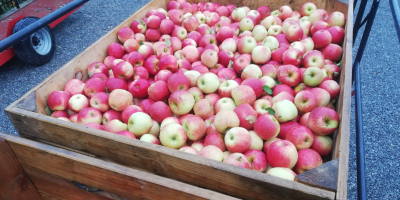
x=252, y=88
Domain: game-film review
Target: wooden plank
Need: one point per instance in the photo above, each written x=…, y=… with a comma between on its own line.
x=167, y=162
x=117, y=179
x=342, y=141
x=14, y=182
x=28, y=103
x=58, y=187
x=272, y=4
x=324, y=176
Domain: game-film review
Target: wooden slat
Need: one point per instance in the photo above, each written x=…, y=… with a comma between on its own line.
x=167, y=162
x=14, y=182
x=342, y=142
x=106, y=176
x=324, y=176
x=28, y=103
x=58, y=187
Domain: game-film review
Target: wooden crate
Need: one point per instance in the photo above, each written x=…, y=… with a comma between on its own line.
x=32, y=170
x=28, y=115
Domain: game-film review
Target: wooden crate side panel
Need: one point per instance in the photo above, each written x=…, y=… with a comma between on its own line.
x=14, y=182
x=106, y=176
x=342, y=142
x=77, y=67
x=272, y=4
x=167, y=162
x=55, y=187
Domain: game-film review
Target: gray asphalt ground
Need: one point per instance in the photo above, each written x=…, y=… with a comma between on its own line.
x=380, y=86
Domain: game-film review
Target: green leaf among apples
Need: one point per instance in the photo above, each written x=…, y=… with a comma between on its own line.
x=271, y=111
x=48, y=111
x=267, y=89
x=168, y=42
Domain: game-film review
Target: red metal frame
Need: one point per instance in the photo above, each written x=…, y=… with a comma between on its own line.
x=37, y=8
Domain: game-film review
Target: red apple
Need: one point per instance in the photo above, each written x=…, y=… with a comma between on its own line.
x=304, y=119
x=318, y=14
x=257, y=160
x=74, y=86
x=322, y=145
x=282, y=87
x=177, y=82
x=211, y=152
x=237, y=140
x=322, y=96
x=300, y=136
x=294, y=33
x=240, y=63
x=99, y=101
x=305, y=101
x=277, y=54
x=289, y=75
x=321, y=39
x=332, y=52
x=337, y=34
x=282, y=153
x=128, y=111
x=336, y=19
x=120, y=99
x=237, y=159
x=116, y=50
x=285, y=12
x=158, y=91
x=87, y=115
x=138, y=26
x=190, y=53
x=225, y=120
x=166, y=26
x=243, y=94
x=181, y=102
x=267, y=127
x=247, y=116
x=203, y=108
x=92, y=125
x=308, y=159
x=323, y=121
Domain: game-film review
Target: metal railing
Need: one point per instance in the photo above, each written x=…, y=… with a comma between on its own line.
x=368, y=21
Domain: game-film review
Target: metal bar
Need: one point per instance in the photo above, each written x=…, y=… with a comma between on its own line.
x=367, y=31
x=394, y=6
x=359, y=17
x=15, y=38
x=361, y=186
x=365, y=20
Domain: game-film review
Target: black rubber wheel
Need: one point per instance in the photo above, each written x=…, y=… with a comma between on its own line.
x=39, y=47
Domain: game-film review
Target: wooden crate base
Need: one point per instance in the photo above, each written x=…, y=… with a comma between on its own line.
x=32, y=170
